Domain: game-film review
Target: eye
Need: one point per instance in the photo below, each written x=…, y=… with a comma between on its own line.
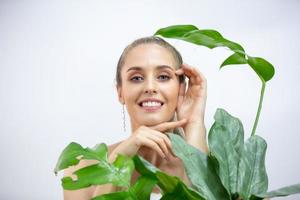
x=136, y=78
x=163, y=77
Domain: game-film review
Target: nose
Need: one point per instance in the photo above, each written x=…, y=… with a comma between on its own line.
x=150, y=87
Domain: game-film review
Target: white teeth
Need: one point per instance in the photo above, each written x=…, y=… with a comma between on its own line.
x=151, y=104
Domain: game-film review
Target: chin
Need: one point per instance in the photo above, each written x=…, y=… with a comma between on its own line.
x=152, y=121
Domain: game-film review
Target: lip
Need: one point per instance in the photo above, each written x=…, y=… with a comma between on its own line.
x=151, y=108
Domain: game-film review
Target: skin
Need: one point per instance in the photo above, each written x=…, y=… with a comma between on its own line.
x=150, y=71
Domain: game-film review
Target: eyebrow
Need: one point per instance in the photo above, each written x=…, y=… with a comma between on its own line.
x=137, y=68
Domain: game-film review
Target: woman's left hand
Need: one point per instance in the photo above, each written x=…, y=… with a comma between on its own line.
x=191, y=102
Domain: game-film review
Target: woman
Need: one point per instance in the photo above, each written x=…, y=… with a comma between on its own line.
x=150, y=83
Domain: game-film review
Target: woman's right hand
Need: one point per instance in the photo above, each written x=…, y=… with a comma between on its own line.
x=151, y=137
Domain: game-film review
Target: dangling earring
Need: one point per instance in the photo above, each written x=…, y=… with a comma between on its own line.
x=124, y=119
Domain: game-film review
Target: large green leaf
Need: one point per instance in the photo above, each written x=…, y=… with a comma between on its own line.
x=226, y=139
x=212, y=39
x=234, y=127
x=72, y=154
x=200, y=170
x=252, y=176
x=285, y=191
x=207, y=37
x=119, y=173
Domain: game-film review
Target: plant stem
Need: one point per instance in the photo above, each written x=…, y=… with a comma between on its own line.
x=259, y=106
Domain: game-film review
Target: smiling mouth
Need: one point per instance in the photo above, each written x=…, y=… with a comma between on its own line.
x=151, y=105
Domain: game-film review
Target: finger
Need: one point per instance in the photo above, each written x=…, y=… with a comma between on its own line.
x=162, y=136
x=179, y=71
x=160, y=141
x=193, y=75
x=199, y=77
x=169, y=125
x=153, y=145
x=202, y=78
x=170, y=145
x=183, y=69
x=181, y=94
x=187, y=70
x=165, y=138
x=182, y=88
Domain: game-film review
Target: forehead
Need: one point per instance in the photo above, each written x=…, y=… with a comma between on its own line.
x=149, y=55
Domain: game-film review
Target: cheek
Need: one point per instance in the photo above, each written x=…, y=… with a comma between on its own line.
x=172, y=92
x=130, y=93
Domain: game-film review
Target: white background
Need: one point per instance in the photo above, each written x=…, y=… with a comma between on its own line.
x=57, y=67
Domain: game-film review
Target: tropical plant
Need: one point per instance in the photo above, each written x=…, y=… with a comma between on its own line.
x=233, y=169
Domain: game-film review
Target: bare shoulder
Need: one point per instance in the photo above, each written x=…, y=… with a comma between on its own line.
x=85, y=193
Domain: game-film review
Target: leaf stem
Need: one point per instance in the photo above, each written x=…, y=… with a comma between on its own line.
x=259, y=106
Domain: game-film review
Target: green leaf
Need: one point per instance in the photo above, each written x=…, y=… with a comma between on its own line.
x=143, y=187
x=235, y=47
x=70, y=155
x=119, y=173
x=123, y=195
x=168, y=184
x=200, y=169
x=180, y=192
x=285, y=191
x=94, y=174
x=263, y=68
x=226, y=138
x=212, y=39
x=144, y=167
x=174, y=188
x=234, y=59
x=206, y=37
x=176, y=31
x=234, y=126
x=123, y=168
x=252, y=176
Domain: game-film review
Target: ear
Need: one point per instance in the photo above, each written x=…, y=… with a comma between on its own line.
x=120, y=95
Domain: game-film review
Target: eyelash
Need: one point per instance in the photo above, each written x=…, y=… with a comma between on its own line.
x=138, y=78
x=165, y=76
x=134, y=78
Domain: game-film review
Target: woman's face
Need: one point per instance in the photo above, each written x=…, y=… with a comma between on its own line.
x=149, y=86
